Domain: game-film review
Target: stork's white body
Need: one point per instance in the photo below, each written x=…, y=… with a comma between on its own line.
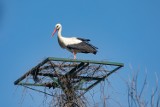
x=68, y=41
x=73, y=44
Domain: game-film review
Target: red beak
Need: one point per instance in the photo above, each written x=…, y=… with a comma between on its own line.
x=55, y=30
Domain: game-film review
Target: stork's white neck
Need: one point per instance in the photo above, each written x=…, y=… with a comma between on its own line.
x=59, y=32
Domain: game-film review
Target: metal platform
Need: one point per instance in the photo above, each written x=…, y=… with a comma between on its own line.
x=67, y=74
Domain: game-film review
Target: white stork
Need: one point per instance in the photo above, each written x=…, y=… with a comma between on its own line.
x=74, y=44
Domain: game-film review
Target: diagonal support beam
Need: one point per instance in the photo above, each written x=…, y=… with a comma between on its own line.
x=75, y=73
x=30, y=71
x=74, y=69
x=91, y=86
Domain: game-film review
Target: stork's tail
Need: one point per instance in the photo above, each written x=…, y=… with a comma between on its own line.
x=94, y=48
x=95, y=52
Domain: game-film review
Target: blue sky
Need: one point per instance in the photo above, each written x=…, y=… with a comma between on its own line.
x=126, y=31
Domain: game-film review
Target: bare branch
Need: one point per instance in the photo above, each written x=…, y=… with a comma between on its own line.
x=158, y=100
x=154, y=92
x=143, y=87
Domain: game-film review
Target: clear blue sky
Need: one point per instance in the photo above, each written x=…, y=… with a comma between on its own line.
x=126, y=31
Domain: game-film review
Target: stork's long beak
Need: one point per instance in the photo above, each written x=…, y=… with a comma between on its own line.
x=55, y=30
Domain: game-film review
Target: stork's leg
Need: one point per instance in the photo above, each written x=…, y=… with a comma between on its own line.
x=74, y=54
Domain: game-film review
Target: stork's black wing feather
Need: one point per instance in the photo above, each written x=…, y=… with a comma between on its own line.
x=83, y=39
x=84, y=47
x=86, y=41
x=91, y=45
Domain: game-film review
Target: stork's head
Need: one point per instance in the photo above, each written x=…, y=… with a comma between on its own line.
x=57, y=27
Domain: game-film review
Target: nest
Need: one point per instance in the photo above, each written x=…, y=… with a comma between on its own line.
x=67, y=80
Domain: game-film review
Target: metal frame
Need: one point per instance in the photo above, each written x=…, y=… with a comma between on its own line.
x=78, y=66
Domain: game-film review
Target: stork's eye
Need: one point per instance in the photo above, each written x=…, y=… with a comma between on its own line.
x=57, y=27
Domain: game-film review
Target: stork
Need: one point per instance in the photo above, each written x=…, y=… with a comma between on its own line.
x=74, y=44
